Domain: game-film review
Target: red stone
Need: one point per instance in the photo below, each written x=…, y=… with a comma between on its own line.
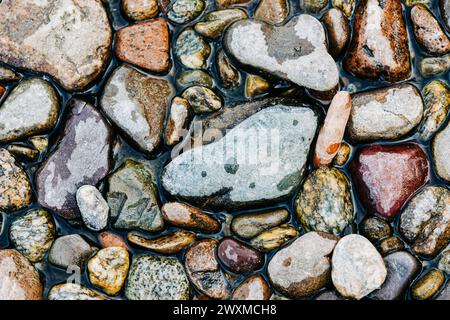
x=385, y=176
x=238, y=257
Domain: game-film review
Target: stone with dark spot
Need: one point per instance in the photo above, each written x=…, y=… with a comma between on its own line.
x=185, y=216
x=385, y=176
x=203, y=175
x=82, y=156
x=375, y=229
x=402, y=268
x=379, y=47
x=252, y=288
x=204, y=271
x=303, y=267
x=425, y=221
x=238, y=257
x=133, y=198
x=145, y=44
x=325, y=202
x=136, y=103
x=68, y=39
x=157, y=278
x=295, y=51
x=428, y=32
x=390, y=245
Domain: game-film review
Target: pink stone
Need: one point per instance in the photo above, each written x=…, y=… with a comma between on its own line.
x=238, y=257
x=385, y=176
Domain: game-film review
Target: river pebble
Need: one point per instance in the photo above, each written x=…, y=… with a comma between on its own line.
x=252, y=288
x=214, y=22
x=338, y=30
x=72, y=291
x=140, y=9
x=272, y=11
x=238, y=257
x=375, y=229
x=274, y=238
x=444, y=262
x=427, y=286
x=186, y=216
x=202, y=99
x=94, y=209
x=191, y=50
x=167, y=244
x=441, y=153
x=250, y=225
x=69, y=251
x=182, y=11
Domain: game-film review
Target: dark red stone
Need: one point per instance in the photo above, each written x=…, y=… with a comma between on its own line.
x=238, y=257
x=385, y=176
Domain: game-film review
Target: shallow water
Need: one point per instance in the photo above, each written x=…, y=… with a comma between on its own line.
x=53, y=275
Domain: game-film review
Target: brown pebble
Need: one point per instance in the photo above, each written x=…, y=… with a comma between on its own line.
x=109, y=239
x=427, y=286
x=186, y=216
x=252, y=288
x=167, y=244
x=338, y=29
x=391, y=244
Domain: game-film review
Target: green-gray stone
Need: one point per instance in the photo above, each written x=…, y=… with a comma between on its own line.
x=192, y=50
x=198, y=77
x=182, y=11
x=215, y=22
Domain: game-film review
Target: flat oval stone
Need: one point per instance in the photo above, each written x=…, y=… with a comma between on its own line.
x=436, y=95
x=387, y=113
x=390, y=245
x=61, y=25
x=215, y=22
x=82, y=156
x=325, y=201
x=73, y=291
x=441, y=153
x=166, y=244
x=402, y=268
x=252, y=288
x=204, y=271
x=109, y=239
x=186, y=216
x=94, y=209
x=140, y=9
x=357, y=267
x=385, y=176
x=15, y=186
x=379, y=48
x=238, y=257
x=431, y=66
x=273, y=238
x=228, y=3
x=303, y=267
x=428, y=32
x=136, y=103
x=68, y=251
x=428, y=285
x=157, y=278
x=31, y=108
x=425, y=221
x=261, y=46
x=145, y=44
x=182, y=11
x=338, y=30
x=133, y=198
x=109, y=268
x=250, y=225
x=188, y=78
x=19, y=279
x=191, y=50
x=33, y=234
x=207, y=177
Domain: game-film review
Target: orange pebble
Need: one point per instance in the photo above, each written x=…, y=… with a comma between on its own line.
x=109, y=239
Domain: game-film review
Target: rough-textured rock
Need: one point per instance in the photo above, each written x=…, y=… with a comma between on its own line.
x=72, y=291
x=444, y=262
x=441, y=153
x=145, y=44
x=204, y=271
x=385, y=176
x=229, y=75
x=202, y=99
x=427, y=286
x=325, y=201
x=402, y=268
x=272, y=11
x=7, y=74
x=166, y=244
x=157, y=278
x=212, y=181
x=425, y=221
x=255, y=85
x=68, y=251
x=295, y=51
x=82, y=156
x=31, y=108
x=185, y=216
x=109, y=239
x=332, y=131
x=191, y=50
x=303, y=267
x=357, y=267
x=250, y=225
x=387, y=113
x=428, y=32
x=431, y=66
x=198, y=77
x=342, y=155
x=347, y=6
x=215, y=22
x=33, y=234
x=15, y=187
x=67, y=39
x=375, y=229
x=136, y=103
x=133, y=198
x=94, y=209
x=179, y=120
x=338, y=30
x=18, y=278
x=390, y=245
x=274, y=238
x=238, y=257
x=140, y=9
x=252, y=288
x=109, y=268
x=379, y=47
x=436, y=95
x=182, y=11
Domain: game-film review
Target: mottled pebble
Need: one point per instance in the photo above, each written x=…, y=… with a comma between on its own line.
x=229, y=75
x=215, y=22
x=69, y=251
x=375, y=229
x=186, y=216
x=182, y=11
x=140, y=9
x=391, y=244
x=94, y=209
x=72, y=291
x=179, y=120
x=238, y=257
x=202, y=99
x=252, y=288
x=250, y=225
x=427, y=286
x=274, y=238
x=167, y=244
x=441, y=153
x=191, y=50
x=272, y=11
